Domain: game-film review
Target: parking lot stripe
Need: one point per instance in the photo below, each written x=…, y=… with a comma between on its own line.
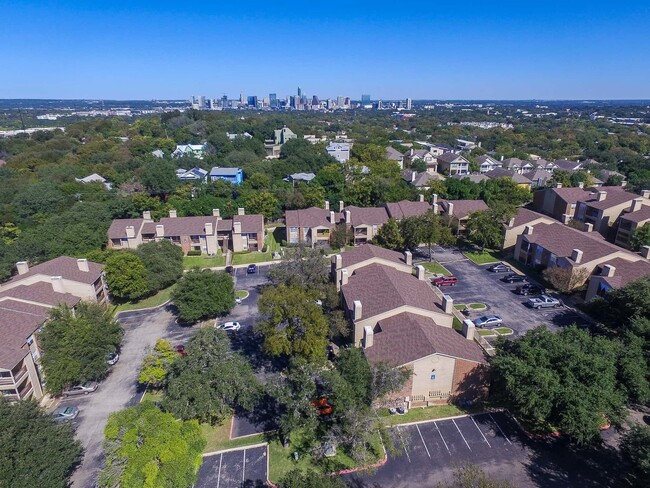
x=425, y=444
x=243, y=469
x=219, y=474
x=461, y=434
x=499, y=427
x=483, y=435
x=404, y=444
x=443, y=439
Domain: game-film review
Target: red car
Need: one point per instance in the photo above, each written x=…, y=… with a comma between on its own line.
x=445, y=281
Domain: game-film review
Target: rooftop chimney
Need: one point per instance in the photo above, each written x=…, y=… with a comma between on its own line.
x=172, y=214
x=528, y=230
x=450, y=208
x=22, y=267
x=344, y=277
x=581, y=184
x=420, y=197
x=332, y=217
x=209, y=229
x=608, y=270
x=160, y=230
x=341, y=205
x=241, y=211
x=576, y=256
x=414, y=174
x=645, y=252
x=82, y=264
x=57, y=284
x=589, y=227
x=368, y=337
x=408, y=258
x=146, y=215
x=566, y=218
x=602, y=194
x=469, y=329
x=558, y=185
x=327, y=205
x=357, y=310
x=623, y=184
x=337, y=261
x=511, y=222
x=236, y=227
x=645, y=194
x=447, y=304
x=347, y=216
x=130, y=231
x=434, y=199
x=419, y=270
x=637, y=204
x=216, y=212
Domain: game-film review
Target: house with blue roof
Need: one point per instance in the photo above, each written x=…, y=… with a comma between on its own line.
x=231, y=175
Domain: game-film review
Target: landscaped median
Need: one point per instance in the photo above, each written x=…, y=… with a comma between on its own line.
x=485, y=257
x=160, y=298
x=498, y=331
x=436, y=268
x=190, y=262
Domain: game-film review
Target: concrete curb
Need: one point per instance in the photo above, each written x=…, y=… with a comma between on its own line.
x=418, y=422
x=142, y=309
x=361, y=468
x=235, y=449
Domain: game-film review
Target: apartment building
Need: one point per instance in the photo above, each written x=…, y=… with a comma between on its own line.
x=637, y=216
x=605, y=206
x=516, y=225
x=558, y=202
x=406, y=208
x=365, y=222
x=207, y=234
x=487, y=163
x=25, y=303
x=460, y=210
x=311, y=226
x=399, y=319
x=617, y=273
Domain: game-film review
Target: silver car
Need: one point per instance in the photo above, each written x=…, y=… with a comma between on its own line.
x=66, y=413
x=82, y=389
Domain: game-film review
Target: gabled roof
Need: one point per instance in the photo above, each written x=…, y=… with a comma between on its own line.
x=626, y=271
x=406, y=208
x=250, y=224
x=181, y=226
x=310, y=217
x=92, y=179
x=407, y=337
x=566, y=165
x=41, y=293
x=368, y=251
x=383, y=288
x=506, y=173
x=616, y=195
x=117, y=230
x=510, y=163
x=641, y=215
x=486, y=158
x=393, y=154
x=539, y=174
x=525, y=216
x=450, y=157
x=301, y=177
x=462, y=208
x=367, y=215
x=66, y=267
x=570, y=195
x=228, y=172
x=18, y=321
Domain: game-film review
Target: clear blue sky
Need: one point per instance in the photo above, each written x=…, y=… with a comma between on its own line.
x=141, y=49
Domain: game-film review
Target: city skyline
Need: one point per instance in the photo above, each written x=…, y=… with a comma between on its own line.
x=163, y=50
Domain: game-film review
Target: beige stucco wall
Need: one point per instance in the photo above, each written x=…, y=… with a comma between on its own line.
x=76, y=288
x=443, y=369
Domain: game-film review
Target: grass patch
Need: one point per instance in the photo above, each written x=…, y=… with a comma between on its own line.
x=281, y=460
x=153, y=395
x=484, y=257
x=218, y=437
x=486, y=333
x=460, y=306
x=504, y=331
x=153, y=301
x=420, y=414
x=477, y=306
x=271, y=243
x=457, y=324
x=241, y=294
x=251, y=257
x=436, y=268
x=203, y=261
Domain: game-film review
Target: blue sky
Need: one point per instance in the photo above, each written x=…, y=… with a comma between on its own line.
x=436, y=49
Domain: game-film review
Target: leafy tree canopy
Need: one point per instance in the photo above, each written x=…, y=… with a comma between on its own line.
x=163, y=262
x=126, y=275
x=157, y=365
x=203, y=294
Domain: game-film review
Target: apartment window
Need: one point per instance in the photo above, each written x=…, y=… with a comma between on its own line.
x=9, y=392
x=5, y=374
x=294, y=230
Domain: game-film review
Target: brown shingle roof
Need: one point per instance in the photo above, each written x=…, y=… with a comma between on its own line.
x=181, y=226
x=117, y=230
x=368, y=251
x=627, y=271
x=310, y=217
x=423, y=179
x=462, y=208
x=67, y=268
x=382, y=288
x=616, y=195
x=641, y=215
x=41, y=293
x=525, y=216
x=367, y=215
x=450, y=157
x=250, y=223
x=406, y=208
x=506, y=173
x=571, y=195
x=18, y=321
x=407, y=337
x=393, y=154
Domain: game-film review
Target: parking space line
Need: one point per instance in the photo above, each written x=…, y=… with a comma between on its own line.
x=443, y=439
x=461, y=434
x=219, y=474
x=403, y=444
x=499, y=427
x=483, y=435
x=243, y=469
x=425, y=444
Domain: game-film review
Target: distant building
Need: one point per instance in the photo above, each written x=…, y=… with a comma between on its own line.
x=252, y=101
x=365, y=99
x=244, y=135
x=192, y=150
x=273, y=100
x=194, y=174
x=280, y=136
x=95, y=178
x=300, y=177
x=339, y=151
x=409, y=104
x=158, y=153
x=393, y=154
x=234, y=176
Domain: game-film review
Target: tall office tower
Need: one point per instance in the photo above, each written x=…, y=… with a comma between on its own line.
x=315, y=101
x=329, y=104
x=299, y=92
x=379, y=105
x=224, y=101
x=252, y=101
x=365, y=99
x=273, y=100
x=347, y=101
x=340, y=101
x=201, y=102
x=241, y=98
x=409, y=103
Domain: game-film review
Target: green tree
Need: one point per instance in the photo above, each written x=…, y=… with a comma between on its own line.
x=157, y=364
x=342, y=235
x=146, y=447
x=484, y=230
x=426, y=229
x=292, y=324
x=389, y=236
x=126, y=276
x=264, y=203
x=36, y=451
x=76, y=344
x=302, y=267
x=163, y=262
x=160, y=178
x=203, y=294
x=353, y=367
x=310, y=479
x=386, y=379
x=635, y=450
x=640, y=237
x=210, y=381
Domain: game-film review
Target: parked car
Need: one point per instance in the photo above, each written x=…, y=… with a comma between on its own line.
x=180, y=350
x=82, y=389
x=65, y=413
x=238, y=300
x=230, y=326
x=445, y=281
x=544, y=301
x=529, y=289
x=499, y=268
x=488, y=321
x=514, y=278
x=229, y=270
x=252, y=268
x=112, y=358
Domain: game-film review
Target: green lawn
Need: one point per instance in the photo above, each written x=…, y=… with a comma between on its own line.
x=153, y=395
x=204, y=261
x=218, y=437
x=241, y=293
x=271, y=243
x=477, y=306
x=486, y=333
x=436, y=268
x=460, y=306
x=153, y=301
x=503, y=331
x=420, y=414
x=485, y=257
x=457, y=325
x=251, y=257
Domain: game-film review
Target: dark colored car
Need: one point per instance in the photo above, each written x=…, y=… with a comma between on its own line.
x=445, y=281
x=180, y=350
x=229, y=269
x=514, y=278
x=498, y=268
x=529, y=289
x=252, y=268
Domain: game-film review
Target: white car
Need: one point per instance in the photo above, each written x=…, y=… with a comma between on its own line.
x=112, y=358
x=234, y=326
x=238, y=300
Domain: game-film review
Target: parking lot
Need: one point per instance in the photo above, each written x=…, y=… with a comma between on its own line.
x=234, y=469
x=476, y=284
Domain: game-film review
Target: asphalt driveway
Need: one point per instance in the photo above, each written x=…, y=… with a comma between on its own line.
x=234, y=469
